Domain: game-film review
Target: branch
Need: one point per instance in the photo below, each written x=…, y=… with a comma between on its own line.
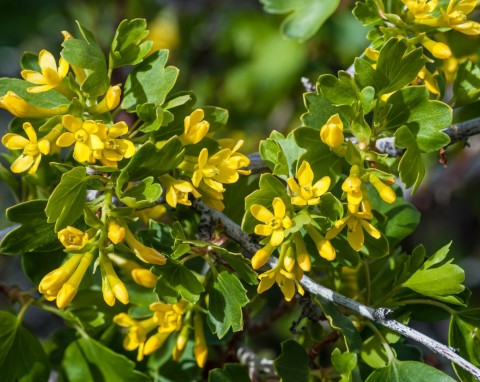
x=380, y=315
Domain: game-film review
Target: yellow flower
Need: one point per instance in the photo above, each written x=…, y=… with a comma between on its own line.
x=50, y=77
x=20, y=108
x=112, y=149
x=32, y=149
x=274, y=224
x=211, y=197
x=421, y=9
x=177, y=191
x=155, y=212
x=262, y=255
x=332, y=132
x=301, y=253
x=195, y=128
x=200, y=349
x=109, y=102
x=287, y=281
x=112, y=286
x=72, y=238
x=116, y=233
x=180, y=343
x=450, y=66
x=168, y=317
x=438, y=49
x=385, y=192
x=84, y=135
x=427, y=78
x=137, y=332
x=352, y=186
x=222, y=167
x=62, y=283
x=306, y=193
x=144, y=277
x=155, y=342
x=456, y=16
x=324, y=247
x=144, y=253
x=356, y=223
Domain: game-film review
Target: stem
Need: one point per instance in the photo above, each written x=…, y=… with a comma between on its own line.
x=380, y=315
x=428, y=302
x=189, y=257
x=368, y=281
x=24, y=308
x=385, y=344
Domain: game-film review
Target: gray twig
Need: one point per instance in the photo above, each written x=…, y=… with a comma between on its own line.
x=380, y=315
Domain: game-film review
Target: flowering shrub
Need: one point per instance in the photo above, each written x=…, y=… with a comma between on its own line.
x=128, y=195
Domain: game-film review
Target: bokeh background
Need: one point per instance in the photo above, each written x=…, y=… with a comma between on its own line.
x=231, y=54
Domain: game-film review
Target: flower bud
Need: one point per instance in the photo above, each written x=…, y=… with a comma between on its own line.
x=303, y=258
x=109, y=102
x=22, y=109
x=116, y=233
x=438, y=49
x=195, y=128
x=332, y=132
x=72, y=238
x=261, y=256
x=200, y=349
x=144, y=253
x=385, y=192
x=70, y=288
x=144, y=277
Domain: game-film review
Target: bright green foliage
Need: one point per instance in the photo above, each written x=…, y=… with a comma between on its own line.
x=230, y=373
x=408, y=371
x=344, y=363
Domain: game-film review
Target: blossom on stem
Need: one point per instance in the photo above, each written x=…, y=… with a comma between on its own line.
x=50, y=76
x=200, y=349
x=137, y=331
x=113, y=149
x=20, y=108
x=438, y=49
x=332, y=132
x=144, y=253
x=195, y=128
x=421, y=9
x=109, y=102
x=307, y=194
x=385, y=192
x=324, y=247
x=275, y=223
x=72, y=238
x=112, y=287
x=116, y=233
x=352, y=186
x=32, y=149
x=177, y=191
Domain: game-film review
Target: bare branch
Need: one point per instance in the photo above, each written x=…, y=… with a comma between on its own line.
x=380, y=315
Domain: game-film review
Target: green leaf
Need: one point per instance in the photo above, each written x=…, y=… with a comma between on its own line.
x=367, y=98
x=438, y=278
x=269, y=188
x=402, y=217
x=34, y=233
x=339, y=91
x=37, y=264
x=373, y=353
x=49, y=99
x=463, y=336
x=143, y=194
x=292, y=364
x=149, y=82
x=412, y=107
x=152, y=115
x=231, y=372
x=281, y=153
x=341, y=323
x=86, y=360
x=367, y=12
x=322, y=160
x=375, y=248
x=127, y=47
x=408, y=371
x=88, y=55
x=216, y=117
x=227, y=297
x=67, y=200
x=176, y=281
x=411, y=167
x=344, y=363
x=466, y=85
x=319, y=110
x=150, y=161
x=307, y=16
x=395, y=67
x=240, y=264
x=22, y=357
x=330, y=207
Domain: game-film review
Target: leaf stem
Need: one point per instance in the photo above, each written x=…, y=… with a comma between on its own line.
x=385, y=344
x=428, y=302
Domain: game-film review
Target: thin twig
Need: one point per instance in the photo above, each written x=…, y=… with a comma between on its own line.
x=380, y=315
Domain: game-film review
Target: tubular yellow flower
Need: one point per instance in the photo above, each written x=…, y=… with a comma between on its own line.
x=113, y=149
x=306, y=193
x=195, y=128
x=352, y=186
x=144, y=277
x=50, y=77
x=177, y=191
x=116, y=233
x=53, y=281
x=421, y=9
x=356, y=223
x=274, y=224
x=438, y=49
x=155, y=342
x=169, y=318
x=79, y=72
x=211, y=197
x=428, y=79
x=324, y=247
x=200, y=349
x=72, y=238
x=385, y=192
x=109, y=102
x=155, y=212
x=146, y=254
x=32, y=149
x=112, y=286
x=136, y=334
x=332, y=132
x=287, y=281
x=20, y=108
x=68, y=291
x=180, y=343
x=84, y=135
x=456, y=16
x=303, y=258
x=262, y=255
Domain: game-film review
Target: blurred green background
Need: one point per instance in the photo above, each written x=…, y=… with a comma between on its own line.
x=232, y=55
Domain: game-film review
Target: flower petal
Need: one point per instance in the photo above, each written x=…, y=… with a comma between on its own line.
x=66, y=139
x=321, y=186
x=261, y=213
x=278, y=207
x=46, y=60
x=263, y=229
x=277, y=237
x=36, y=163
x=71, y=123
x=81, y=152
x=305, y=174
x=28, y=128
x=22, y=163
x=371, y=230
x=355, y=237
x=33, y=77
x=14, y=141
